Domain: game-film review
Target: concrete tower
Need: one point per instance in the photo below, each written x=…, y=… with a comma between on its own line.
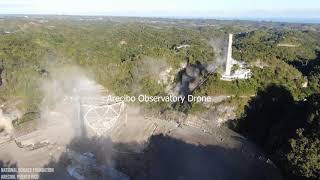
x=229, y=56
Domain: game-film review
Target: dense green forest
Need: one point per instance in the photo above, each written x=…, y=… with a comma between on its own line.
x=113, y=52
x=282, y=115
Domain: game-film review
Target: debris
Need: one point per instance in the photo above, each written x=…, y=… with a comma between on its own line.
x=84, y=166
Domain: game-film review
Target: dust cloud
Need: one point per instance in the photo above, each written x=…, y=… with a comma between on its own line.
x=62, y=119
x=5, y=123
x=220, y=48
x=8, y=114
x=61, y=106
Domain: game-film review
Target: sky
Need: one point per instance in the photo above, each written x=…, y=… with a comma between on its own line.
x=168, y=8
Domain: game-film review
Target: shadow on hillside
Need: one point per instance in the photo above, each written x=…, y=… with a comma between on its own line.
x=306, y=66
x=170, y=159
x=270, y=118
x=263, y=111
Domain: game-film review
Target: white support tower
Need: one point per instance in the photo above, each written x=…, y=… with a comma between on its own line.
x=229, y=56
x=241, y=73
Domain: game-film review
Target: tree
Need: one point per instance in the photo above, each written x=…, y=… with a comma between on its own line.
x=303, y=157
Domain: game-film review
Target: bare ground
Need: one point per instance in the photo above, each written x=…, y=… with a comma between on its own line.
x=145, y=148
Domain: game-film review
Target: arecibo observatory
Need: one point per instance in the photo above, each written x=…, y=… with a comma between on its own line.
x=159, y=90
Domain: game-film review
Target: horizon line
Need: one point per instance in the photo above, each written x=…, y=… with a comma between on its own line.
x=276, y=19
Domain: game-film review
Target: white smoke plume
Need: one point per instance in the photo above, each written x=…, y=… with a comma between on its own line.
x=5, y=123
x=219, y=46
x=61, y=107
x=9, y=113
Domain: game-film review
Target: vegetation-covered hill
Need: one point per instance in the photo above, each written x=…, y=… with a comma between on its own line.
x=112, y=52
